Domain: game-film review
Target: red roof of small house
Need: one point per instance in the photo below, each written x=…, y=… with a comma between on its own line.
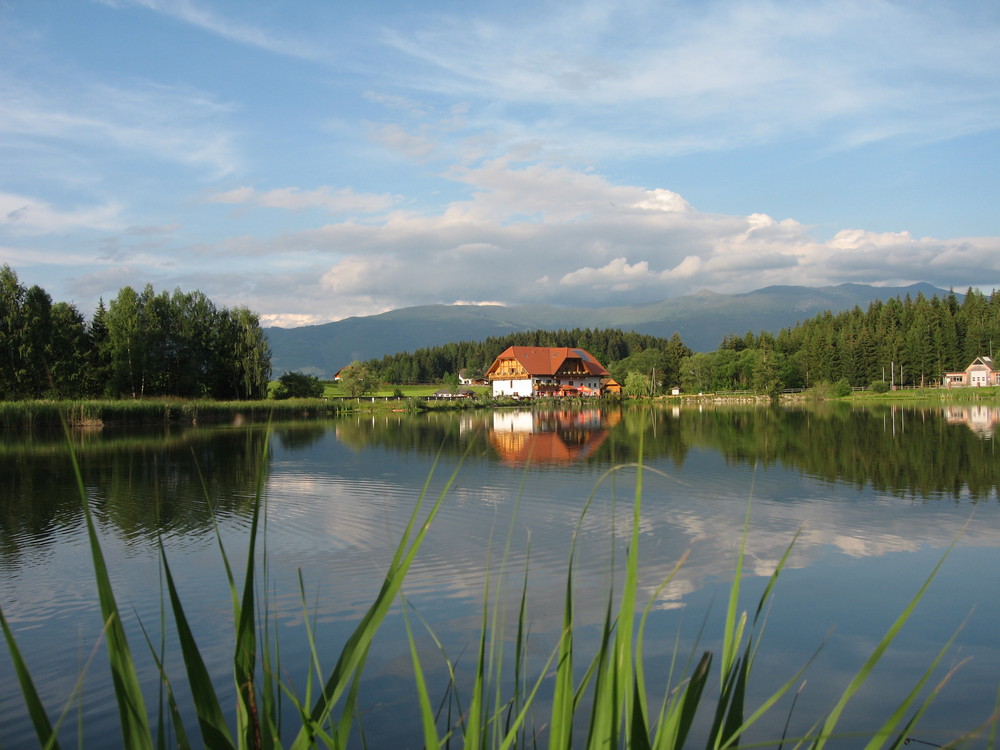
x=548, y=360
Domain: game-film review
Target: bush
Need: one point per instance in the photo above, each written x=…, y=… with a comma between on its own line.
x=298, y=385
x=841, y=388
x=879, y=386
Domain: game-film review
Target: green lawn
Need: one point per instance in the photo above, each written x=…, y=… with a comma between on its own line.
x=333, y=390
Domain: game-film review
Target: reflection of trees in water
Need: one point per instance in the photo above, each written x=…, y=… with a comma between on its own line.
x=144, y=483
x=299, y=437
x=140, y=487
x=449, y=432
x=909, y=451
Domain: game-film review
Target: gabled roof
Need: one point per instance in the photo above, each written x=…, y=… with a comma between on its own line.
x=988, y=361
x=541, y=361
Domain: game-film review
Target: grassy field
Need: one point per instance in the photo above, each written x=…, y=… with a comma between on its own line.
x=333, y=390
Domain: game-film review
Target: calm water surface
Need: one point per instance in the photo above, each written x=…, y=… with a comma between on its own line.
x=876, y=495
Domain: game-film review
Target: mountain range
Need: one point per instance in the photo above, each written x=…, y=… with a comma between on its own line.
x=702, y=320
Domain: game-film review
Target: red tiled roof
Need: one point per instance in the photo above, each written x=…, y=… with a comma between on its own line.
x=547, y=360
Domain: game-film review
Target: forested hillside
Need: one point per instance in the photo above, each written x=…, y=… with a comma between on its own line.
x=474, y=357
x=701, y=319
x=910, y=341
x=142, y=344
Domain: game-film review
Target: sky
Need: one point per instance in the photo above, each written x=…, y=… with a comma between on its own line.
x=319, y=160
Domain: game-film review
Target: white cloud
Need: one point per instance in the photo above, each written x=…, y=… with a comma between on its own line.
x=198, y=14
x=23, y=215
x=334, y=201
x=397, y=139
x=548, y=233
x=716, y=75
x=617, y=275
x=145, y=119
x=290, y=320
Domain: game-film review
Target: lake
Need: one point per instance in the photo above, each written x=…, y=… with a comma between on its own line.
x=876, y=495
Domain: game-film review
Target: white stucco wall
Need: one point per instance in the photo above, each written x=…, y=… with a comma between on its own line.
x=512, y=388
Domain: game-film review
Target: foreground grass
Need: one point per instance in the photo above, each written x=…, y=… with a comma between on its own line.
x=609, y=706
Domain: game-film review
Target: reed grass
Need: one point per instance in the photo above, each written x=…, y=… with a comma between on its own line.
x=52, y=414
x=607, y=692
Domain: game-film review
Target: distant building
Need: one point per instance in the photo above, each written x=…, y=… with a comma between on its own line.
x=983, y=371
x=466, y=378
x=532, y=371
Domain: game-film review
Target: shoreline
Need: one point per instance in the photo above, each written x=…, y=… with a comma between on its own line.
x=95, y=414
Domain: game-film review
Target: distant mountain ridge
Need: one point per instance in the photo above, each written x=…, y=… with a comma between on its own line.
x=702, y=319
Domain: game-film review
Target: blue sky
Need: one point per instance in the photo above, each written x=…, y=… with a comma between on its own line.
x=317, y=160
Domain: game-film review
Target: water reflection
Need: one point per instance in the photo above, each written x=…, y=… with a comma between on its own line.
x=874, y=493
x=982, y=420
x=557, y=436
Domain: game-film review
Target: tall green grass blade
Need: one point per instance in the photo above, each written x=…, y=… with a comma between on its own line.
x=520, y=645
x=211, y=720
x=604, y=710
x=245, y=653
x=732, y=702
x=452, y=695
x=641, y=703
x=176, y=717
x=513, y=733
x=427, y=718
x=675, y=725
x=136, y=733
x=624, y=634
x=357, y=643
x=474, y=736
x=563, y=699
x=732, y=635
x=866, y=669
x=638, y=730
x=879, y=739
x=36, y=710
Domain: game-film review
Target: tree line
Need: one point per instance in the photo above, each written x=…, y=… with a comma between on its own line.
x=611, y=346
x=908, y=342
x=141, y=344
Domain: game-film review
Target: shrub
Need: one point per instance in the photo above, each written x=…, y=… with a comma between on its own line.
x=879, y=386
x=841, y=388
x=298, y=385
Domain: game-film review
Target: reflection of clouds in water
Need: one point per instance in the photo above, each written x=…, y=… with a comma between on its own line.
x=350, y=526
x=671, y=597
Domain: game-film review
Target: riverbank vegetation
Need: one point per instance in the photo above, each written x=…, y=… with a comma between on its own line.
x=97, y=412
x=576, y=698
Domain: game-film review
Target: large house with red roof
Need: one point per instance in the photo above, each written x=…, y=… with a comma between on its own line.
x=529, y=371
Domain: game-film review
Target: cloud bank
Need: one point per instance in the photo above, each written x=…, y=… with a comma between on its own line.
x=554, y=235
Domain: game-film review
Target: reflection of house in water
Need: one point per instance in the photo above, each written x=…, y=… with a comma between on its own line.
x=982, y=420
x=550, y=437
